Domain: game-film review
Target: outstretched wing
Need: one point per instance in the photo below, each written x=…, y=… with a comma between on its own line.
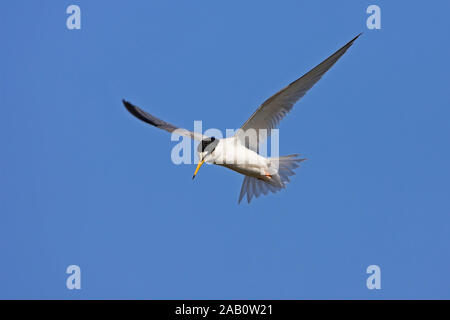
x=269, y=114
x=148, y=118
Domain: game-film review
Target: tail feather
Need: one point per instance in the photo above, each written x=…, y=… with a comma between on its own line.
x=263, y=186
x=243, y=189
x=250, y=190
x=254, y=187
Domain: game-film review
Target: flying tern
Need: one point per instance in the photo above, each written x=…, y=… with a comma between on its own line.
x=261, y=175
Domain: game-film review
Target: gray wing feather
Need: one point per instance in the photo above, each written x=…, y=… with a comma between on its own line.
x=270, y=113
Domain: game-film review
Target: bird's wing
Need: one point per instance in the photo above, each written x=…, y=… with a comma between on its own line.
x=148, y=118
x=269, y=114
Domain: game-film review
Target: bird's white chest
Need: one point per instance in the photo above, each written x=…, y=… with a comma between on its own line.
x=233, y=155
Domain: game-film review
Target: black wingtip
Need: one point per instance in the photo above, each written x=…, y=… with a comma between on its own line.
x=127, y=105
x=356, y=37
x=140, y=114
x=350, y=43
x=131, y=108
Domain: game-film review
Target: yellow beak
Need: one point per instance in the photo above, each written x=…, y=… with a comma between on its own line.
x=198, y=167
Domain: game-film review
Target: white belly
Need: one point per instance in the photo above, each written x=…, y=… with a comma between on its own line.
x=233, y=155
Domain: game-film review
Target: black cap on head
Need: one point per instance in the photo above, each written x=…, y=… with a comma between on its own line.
x=208, y=145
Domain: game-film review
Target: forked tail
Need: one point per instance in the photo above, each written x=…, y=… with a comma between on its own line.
x=255, y=187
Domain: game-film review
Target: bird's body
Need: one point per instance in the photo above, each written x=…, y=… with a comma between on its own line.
x=262, y=175
x=234, y=155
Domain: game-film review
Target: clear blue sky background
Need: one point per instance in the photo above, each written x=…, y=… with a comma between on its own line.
x=83, y=182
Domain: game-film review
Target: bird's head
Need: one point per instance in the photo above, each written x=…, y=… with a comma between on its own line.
x=204, y=151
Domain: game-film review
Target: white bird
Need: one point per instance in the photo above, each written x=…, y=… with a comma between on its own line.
x=261, y=174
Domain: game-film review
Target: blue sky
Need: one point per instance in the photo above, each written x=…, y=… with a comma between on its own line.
x=82, y=182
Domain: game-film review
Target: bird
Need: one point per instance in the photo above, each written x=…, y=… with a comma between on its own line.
x=262, y=175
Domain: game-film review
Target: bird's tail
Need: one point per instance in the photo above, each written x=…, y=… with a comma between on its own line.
x=255, y=187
